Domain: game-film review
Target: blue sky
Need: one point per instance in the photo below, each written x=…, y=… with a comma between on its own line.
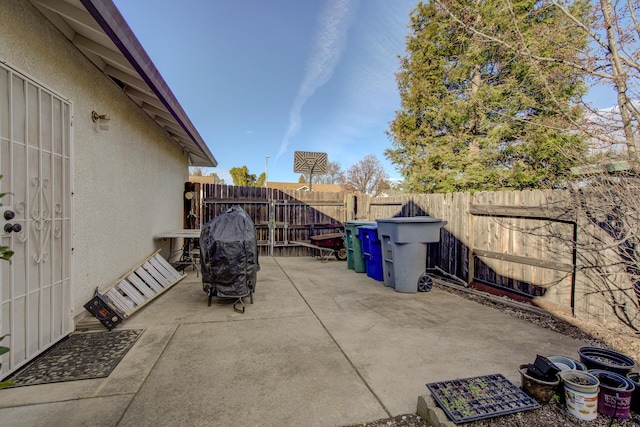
x=266, y=78
x=269, y=77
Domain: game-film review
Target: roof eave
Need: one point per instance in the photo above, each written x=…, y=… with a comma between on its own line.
x=112, y=22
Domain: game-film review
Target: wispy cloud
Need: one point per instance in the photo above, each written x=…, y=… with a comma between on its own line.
x=369, y=96
x=327, y=49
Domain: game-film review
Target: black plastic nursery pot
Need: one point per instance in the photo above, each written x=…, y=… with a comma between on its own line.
x=543, y=369
x=608, y=360
x=634, y=377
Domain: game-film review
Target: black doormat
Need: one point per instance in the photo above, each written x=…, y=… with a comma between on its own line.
x=78, y=357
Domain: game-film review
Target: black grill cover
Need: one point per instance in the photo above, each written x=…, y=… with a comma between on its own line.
x=229, y=254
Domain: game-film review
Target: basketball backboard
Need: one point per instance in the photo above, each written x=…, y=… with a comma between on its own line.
x=309, y=162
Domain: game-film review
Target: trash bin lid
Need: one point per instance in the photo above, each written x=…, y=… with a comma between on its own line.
x=417, y=229
x=352, y=226
x=412, y=219
x=370, y=231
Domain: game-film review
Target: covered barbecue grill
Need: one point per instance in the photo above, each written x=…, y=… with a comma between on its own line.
x=229, y=256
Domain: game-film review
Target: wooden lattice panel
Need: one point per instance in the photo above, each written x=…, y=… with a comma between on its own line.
x=144, y=282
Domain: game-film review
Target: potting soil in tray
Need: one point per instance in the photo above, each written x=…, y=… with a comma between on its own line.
x=488, y=396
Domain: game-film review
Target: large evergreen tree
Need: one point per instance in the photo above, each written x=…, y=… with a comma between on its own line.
x=477, y=113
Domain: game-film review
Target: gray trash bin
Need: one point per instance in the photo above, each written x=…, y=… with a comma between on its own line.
x=404, y=249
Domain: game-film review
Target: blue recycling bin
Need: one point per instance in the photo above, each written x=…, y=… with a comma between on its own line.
x=371, y=251
x=404, y=249
x=355, y=260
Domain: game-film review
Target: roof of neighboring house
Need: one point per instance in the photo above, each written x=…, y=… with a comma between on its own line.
x=388, y=192
x=294, y=186
x=283, y=186
x=202, y=179
x=99, y=31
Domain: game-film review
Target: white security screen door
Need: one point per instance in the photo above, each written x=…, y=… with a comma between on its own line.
x=35, y=219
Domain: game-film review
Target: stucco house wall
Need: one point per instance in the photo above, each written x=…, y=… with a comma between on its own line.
x=127, y=182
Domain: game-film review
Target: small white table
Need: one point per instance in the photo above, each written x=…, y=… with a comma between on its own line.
x=188, y=253
x=193, y=233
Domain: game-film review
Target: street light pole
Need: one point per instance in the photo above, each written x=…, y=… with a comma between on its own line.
x=271, y=229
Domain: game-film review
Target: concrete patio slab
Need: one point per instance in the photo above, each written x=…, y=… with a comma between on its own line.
x=321, y=345
x=94, y=412
x=269, y=372
x=399, y=341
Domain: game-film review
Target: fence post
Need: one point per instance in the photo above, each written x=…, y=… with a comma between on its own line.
x=350, y=206
x=470, y=262
x=271, y=229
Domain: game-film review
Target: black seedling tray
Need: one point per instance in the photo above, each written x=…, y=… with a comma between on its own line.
x=488, y=396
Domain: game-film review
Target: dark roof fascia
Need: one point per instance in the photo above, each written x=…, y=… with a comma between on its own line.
x=112, y=22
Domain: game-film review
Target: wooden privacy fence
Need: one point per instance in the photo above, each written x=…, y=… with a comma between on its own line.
x=533, y=244
x=495, y=239
x=522, y=242
x=280, y=217
x=490, y=238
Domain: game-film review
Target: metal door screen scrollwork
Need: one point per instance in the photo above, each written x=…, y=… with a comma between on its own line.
x=35, y=161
